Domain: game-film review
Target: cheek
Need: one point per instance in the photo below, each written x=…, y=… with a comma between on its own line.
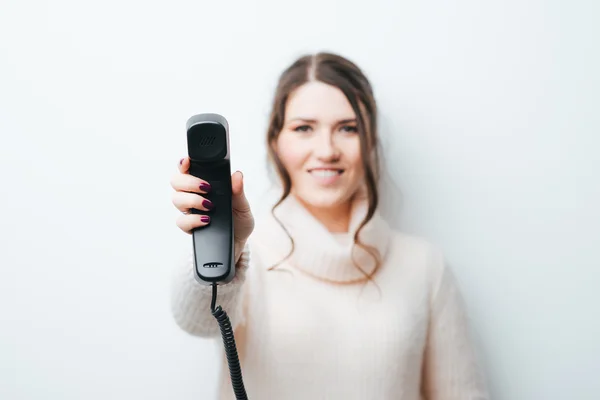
x=353, y=157
x=291, y=154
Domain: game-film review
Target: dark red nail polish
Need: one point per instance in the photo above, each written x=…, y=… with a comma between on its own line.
x=205, y=187
x=207, y=204
x=181, y=161
x=205, y=218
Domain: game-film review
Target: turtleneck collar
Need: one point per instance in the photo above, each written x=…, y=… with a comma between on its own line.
x=318, y=252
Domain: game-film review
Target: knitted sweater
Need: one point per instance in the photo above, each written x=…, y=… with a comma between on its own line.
x=310, y=329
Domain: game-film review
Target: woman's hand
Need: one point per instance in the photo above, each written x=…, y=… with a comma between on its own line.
x=188, y=194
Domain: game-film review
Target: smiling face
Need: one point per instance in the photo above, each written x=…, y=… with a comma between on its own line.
x=319, y=146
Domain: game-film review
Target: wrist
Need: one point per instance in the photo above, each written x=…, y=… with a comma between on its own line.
x=238, y=249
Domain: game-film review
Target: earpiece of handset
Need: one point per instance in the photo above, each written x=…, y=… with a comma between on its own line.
x=208, y=149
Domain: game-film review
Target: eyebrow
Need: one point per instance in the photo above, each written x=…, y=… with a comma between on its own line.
x=343, y=121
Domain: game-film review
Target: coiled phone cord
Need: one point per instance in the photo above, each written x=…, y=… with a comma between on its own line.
x=230, y=347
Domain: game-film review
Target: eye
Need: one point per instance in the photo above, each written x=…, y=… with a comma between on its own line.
x=349, y=128
x=302, y=128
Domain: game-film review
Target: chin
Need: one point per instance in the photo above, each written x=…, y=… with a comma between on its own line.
x=324, y=199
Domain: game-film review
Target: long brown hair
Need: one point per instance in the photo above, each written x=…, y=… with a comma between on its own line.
x=342, y=73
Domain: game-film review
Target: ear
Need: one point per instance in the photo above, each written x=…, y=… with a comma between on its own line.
x=273, y=147
x=273, y=144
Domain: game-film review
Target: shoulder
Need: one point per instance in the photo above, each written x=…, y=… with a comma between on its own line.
x=418, y=254
x=416, y=246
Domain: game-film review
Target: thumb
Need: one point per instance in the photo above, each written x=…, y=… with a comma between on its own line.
x=239, y=201
x=184, y=165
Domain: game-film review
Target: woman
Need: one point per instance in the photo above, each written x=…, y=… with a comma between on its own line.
x=335, y=304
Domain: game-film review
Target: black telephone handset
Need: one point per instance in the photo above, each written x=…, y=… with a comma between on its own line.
x=208, y=149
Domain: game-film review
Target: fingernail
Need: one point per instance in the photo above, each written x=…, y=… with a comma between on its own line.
x=181, y=161
x=205, y=187
x=205, y=218
x=207, y=204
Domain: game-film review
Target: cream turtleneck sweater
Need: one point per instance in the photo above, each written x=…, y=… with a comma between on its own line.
x=305, y=331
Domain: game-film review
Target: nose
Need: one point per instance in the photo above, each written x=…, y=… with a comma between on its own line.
x=326, y=149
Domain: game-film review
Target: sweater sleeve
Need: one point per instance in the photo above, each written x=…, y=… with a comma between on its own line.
x=190, y=300
x=450, y=370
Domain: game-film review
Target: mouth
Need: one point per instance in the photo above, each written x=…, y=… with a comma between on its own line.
x=325, y=172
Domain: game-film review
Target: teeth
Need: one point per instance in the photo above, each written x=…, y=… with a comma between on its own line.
x=325, y=173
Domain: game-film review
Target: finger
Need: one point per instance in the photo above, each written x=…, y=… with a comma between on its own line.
x=184, y=165
x=239, y=202
x=189, y=183
x=185, y=202
x=187, y=223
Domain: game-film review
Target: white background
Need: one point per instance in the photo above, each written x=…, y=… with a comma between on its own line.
x=491, y=122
